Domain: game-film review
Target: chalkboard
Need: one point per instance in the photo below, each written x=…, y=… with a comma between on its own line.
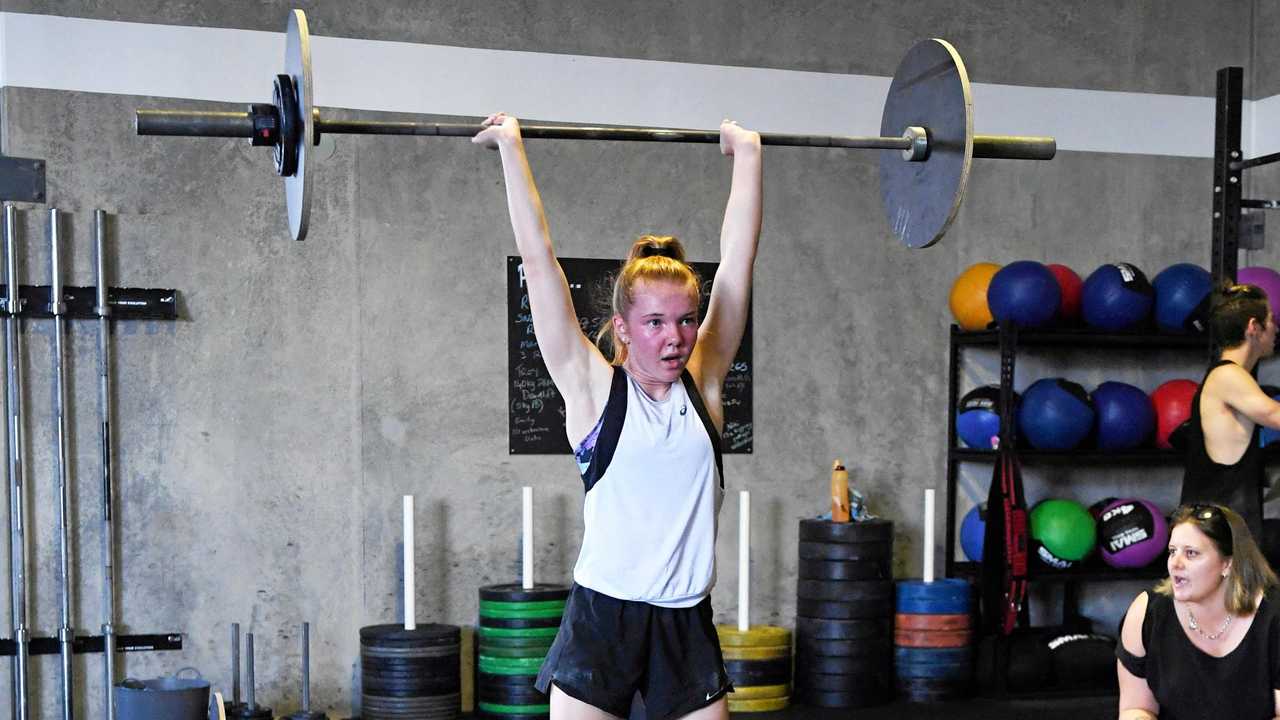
x=535, y=409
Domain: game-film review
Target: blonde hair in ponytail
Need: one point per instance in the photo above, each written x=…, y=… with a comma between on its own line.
x=653, y=258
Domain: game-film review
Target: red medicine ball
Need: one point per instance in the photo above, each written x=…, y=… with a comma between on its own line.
x=1072, y=286
x=1173, y=407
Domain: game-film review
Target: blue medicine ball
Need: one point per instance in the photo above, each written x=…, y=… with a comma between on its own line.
x=972, y=529
x=1267, y=436
x=1182, y=298
x=1024, y=292
x=1055, y=414
x=1116, y=297
x=978, y=418
x=1126, y=416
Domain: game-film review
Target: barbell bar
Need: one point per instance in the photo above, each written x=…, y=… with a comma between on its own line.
x=927, y=120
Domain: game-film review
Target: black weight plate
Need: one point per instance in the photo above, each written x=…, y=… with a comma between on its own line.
x=880, y=648
x=484, y=679
x=515, y=592
x=381, y=675
x=553, y=622
x=514, y=696
x=394, y=713
x=371, y=669
x=517, y=651
x=428, y=685
x=824, y=629
x=420, y=665
x=756, y=679
x=424, y=635
x=443, y=714
x=412, y=680
x=843, y=570
x=446, y=682
x=857, y=682
x=880, y=553
x=824, y=665
x=416, y=691
x=867, y=531
x=744, y=666
x=867, y=698
x=515, y=642
x=845, y=590
x=930, y=90
x=504, y=716
x=425, y=702
x=844, y=611
x=369, y=712
x=410, y=653
x=410, y=710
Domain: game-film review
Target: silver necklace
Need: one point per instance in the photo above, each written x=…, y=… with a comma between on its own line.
x=1191, y=623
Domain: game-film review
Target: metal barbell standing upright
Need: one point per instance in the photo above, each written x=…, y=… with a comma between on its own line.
x=104, y=401
x=306, y=712
x=251, y=710
x=927, y=121
x=66, y=635
x=17, y=485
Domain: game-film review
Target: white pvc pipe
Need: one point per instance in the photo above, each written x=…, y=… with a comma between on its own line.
x=409, y=592
x=744, y=561
x=928, y=535
x=526, y=545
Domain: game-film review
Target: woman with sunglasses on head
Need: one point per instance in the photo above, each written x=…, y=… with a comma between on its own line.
x=1205, y=643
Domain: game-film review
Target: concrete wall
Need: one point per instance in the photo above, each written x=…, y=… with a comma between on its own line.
x=266, y=437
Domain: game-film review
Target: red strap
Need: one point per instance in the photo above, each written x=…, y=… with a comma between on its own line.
x=1015, y=537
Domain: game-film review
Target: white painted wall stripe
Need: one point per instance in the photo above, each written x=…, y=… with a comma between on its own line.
x=169, y=61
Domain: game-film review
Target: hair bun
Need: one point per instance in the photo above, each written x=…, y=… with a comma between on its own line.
x=665, y=246
x=658, y=250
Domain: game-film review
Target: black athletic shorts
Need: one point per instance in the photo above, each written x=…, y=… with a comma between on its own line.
x=607, y=649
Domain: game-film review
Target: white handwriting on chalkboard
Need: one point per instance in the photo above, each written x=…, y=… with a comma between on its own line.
x=737, y=435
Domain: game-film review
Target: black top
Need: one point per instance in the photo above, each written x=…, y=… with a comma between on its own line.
x=1238, y=486
x=1189, y=683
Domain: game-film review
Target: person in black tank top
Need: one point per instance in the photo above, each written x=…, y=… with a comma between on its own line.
x=1205, y=643
x=1223, y=460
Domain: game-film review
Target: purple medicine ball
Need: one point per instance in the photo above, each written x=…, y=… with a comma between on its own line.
x=1132, y=533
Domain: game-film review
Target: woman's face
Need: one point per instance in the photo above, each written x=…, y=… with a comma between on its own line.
x=1196, y=568
x=660, y=329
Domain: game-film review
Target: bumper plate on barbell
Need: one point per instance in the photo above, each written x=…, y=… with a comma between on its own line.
x=929, y=90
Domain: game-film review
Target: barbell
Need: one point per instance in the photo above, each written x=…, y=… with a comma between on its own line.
x=926, y=135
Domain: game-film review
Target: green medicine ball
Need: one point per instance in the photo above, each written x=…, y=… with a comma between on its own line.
x=1064, y=532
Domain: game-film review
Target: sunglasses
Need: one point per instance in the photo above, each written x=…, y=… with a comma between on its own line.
x=1204, y=511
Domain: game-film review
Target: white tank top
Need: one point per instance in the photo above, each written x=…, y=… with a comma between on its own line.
x=651, y=511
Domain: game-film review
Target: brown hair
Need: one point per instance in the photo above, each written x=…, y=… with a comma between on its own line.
x=1233, y=306
x=653, y=258
x=1250, y=574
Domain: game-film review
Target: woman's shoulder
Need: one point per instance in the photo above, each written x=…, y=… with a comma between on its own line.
x=1269, y=606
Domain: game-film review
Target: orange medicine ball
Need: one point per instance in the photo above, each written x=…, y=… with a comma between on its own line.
x=969, y=296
